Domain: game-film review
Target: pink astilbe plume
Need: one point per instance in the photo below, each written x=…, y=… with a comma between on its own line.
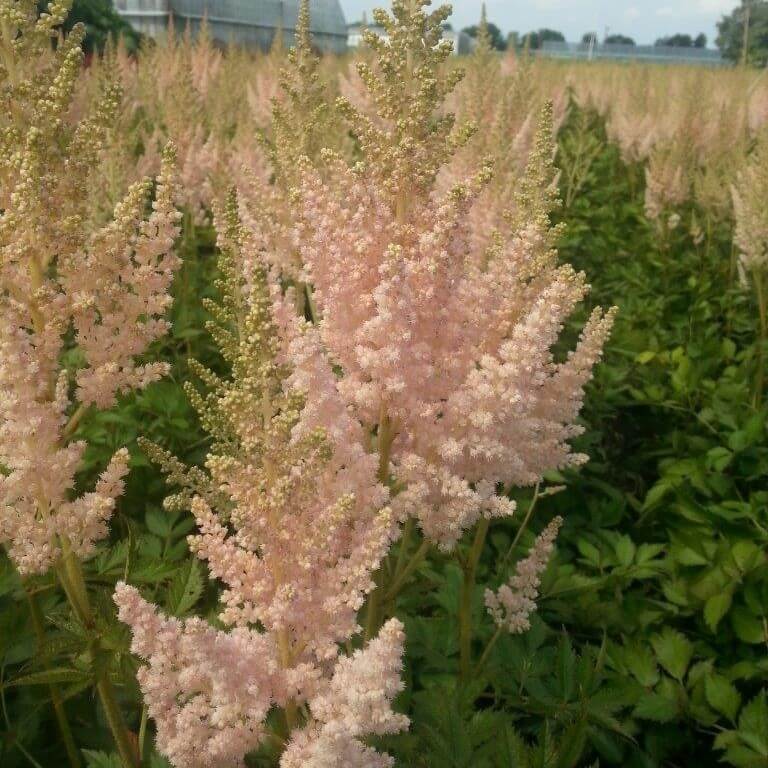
x=512, y=605
x=207, y=691
x=292, y=519
x=63, y=286
x=355, y=703
x=446, y=350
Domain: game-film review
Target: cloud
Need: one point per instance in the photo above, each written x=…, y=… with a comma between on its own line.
x=714, y=6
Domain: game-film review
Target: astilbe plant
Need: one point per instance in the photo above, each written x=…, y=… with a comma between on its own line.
x=293, y=521
x=109, y=287
x=446, y=352
x=302, y=123
x=63, y=286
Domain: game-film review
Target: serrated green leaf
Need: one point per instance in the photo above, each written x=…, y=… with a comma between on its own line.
x=654, y=706
x=674, y=652
x=642, y=664
x=159, y=522
x=753, y=722
x=716, y=607
x=625, y=551
x=722, y=695
x=748, y=628
x=186, y=588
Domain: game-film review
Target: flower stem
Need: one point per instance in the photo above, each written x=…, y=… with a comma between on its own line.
x=386, y=437
x=401, y=577
x=126, y=746
x=71, y=576
x=73, y=756
x=487, y=652
x=467, y=592
x=522, y=528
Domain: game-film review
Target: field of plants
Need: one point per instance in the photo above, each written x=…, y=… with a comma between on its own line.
x=391, y=410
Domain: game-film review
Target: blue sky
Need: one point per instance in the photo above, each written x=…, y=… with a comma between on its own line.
x=644, y=20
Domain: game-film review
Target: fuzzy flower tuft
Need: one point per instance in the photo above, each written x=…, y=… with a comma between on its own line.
x=512, y=605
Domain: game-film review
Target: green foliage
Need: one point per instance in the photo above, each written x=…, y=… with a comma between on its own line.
x=618, y=40
x=498, y=42
x=663, y=558
x=730, y=29
x=102, y=23
x=535, y=40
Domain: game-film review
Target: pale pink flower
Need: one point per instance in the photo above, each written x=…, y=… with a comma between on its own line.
x=512, y=605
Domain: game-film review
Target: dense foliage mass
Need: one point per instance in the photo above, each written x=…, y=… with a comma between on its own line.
x=300, y=460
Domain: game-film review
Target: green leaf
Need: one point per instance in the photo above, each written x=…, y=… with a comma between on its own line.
x=654, y=706
x=185, y=588
x=747, y=555
x=674, y=652
x=716, y=607
x=722, y=695
x=159, y=522
x=49, y=677
x=656, y=494
x=94, y=759
x=589, y=551
x=719, y=458
x=753, y=723
x=641, y=663
x=625, y=550
x=748, y=628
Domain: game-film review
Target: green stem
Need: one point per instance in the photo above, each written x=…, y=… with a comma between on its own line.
x=401, y=579
x=467, y=592
x=386, y=437
x=73, y=756
x=71, y=576
x=372, y=613
x=405, y=540
x=143, y=730
x=487, y=652
x=126, y=747
x=311, y=306
x=73, y=422
x=522, y=528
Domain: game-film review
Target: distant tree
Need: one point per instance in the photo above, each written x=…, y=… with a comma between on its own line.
x=676, y=41
x=589, y=37
x=619, y=40
x=731, y=38
x=101, y=21
x=537, y=39
x=513, y=41
x=700, y=41
x=497, y=38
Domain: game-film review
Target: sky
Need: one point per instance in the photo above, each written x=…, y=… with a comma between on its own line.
x=643, y=20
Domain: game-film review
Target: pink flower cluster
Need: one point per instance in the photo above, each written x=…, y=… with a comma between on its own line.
x=454, y=346
x=112, y=288
x=512, y=605
x=209, y=692
x=293, y=521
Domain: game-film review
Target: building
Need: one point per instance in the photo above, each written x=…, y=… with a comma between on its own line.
x=253, y=23
x=462, y=42
x=662, y=54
